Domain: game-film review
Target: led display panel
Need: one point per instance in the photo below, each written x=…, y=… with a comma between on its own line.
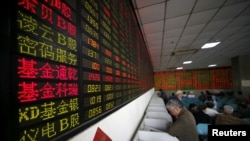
x=76, y=61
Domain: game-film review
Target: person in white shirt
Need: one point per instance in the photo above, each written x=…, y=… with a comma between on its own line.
x=210, y=110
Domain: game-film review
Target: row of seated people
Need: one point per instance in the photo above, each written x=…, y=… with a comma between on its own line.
x=171, y=119
x=241, y=105
x=206, y=114
x=212, y=109
x=215, y=103
x=218, y=108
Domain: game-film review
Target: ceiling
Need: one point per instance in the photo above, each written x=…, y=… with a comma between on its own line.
x=175, y=30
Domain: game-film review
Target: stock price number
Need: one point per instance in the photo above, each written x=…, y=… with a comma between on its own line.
x=109, y=105
x=94, y=112
x=92, y=88
x=92, y=100
x=91, y=76
x=108, y=87
x=109, y=96
x=94, y=76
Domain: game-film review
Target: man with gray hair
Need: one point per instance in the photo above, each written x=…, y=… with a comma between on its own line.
x=178, y=96
x=227, y=117
x=184, y=127
x=228, y=109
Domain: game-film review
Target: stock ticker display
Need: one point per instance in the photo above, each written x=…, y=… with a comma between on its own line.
x=76, y=61
x=202, y=79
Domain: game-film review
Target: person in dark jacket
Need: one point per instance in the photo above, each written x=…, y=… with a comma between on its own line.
x=163, y=95
x=201, y=116
x=184, y=127
x=193, y=108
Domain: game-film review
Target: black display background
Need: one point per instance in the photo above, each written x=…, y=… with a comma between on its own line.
x=125, y=43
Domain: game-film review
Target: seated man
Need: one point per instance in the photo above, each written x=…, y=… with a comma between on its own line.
x=201, y=116
x=210, y=110
x=193, y=108
x=227, y=118
x=184, y=127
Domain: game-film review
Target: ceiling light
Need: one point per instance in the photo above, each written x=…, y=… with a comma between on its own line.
x=210, y=45
x=187, y=62
x=179, y=68
x=212, y=65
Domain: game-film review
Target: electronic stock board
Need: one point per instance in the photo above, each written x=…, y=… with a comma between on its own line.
x=75, y=62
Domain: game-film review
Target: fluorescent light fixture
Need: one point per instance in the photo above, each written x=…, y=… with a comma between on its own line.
x=212, y=65
x=210, y=45
x=187, y=62
x=184, y=52
x=179, y=68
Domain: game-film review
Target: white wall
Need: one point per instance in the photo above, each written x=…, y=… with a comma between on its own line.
x=122, y=124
